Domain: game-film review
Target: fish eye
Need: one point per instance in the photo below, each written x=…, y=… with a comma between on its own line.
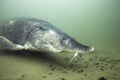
x=67, y=41
x=63, y=38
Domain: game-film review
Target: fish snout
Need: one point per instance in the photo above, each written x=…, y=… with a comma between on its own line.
x=86, y=49
x=91, y=49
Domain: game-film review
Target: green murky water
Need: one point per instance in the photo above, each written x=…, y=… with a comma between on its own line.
x=92, y=22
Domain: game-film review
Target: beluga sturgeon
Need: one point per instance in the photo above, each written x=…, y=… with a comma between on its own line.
x=39, y=35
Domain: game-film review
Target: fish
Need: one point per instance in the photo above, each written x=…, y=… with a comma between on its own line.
x=38, y=35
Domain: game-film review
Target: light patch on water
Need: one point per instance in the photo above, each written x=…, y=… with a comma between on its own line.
x=11, y=22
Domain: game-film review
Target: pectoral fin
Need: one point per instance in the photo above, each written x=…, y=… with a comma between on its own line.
x=8, y=45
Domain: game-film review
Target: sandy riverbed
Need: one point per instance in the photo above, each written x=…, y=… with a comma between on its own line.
x=99, y=65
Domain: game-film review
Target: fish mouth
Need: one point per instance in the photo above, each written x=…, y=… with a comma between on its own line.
x=92, y=49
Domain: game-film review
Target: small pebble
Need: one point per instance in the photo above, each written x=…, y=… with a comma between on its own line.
x=85, y=74
x=51, y=64
x=81, y=70
x=62, y=79
x=64, y=72
x=96, y=63
x=43, y=76
x=53, y=68
x=102, y=78
x=50, y=73
x=22, y=77
x=71, y=65
x=86, y=66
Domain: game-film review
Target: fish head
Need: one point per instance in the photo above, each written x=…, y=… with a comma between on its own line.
x=71, y=45
x=61, y=42
x=57, y=41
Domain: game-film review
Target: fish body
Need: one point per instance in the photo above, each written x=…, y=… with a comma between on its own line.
x=38, y=35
